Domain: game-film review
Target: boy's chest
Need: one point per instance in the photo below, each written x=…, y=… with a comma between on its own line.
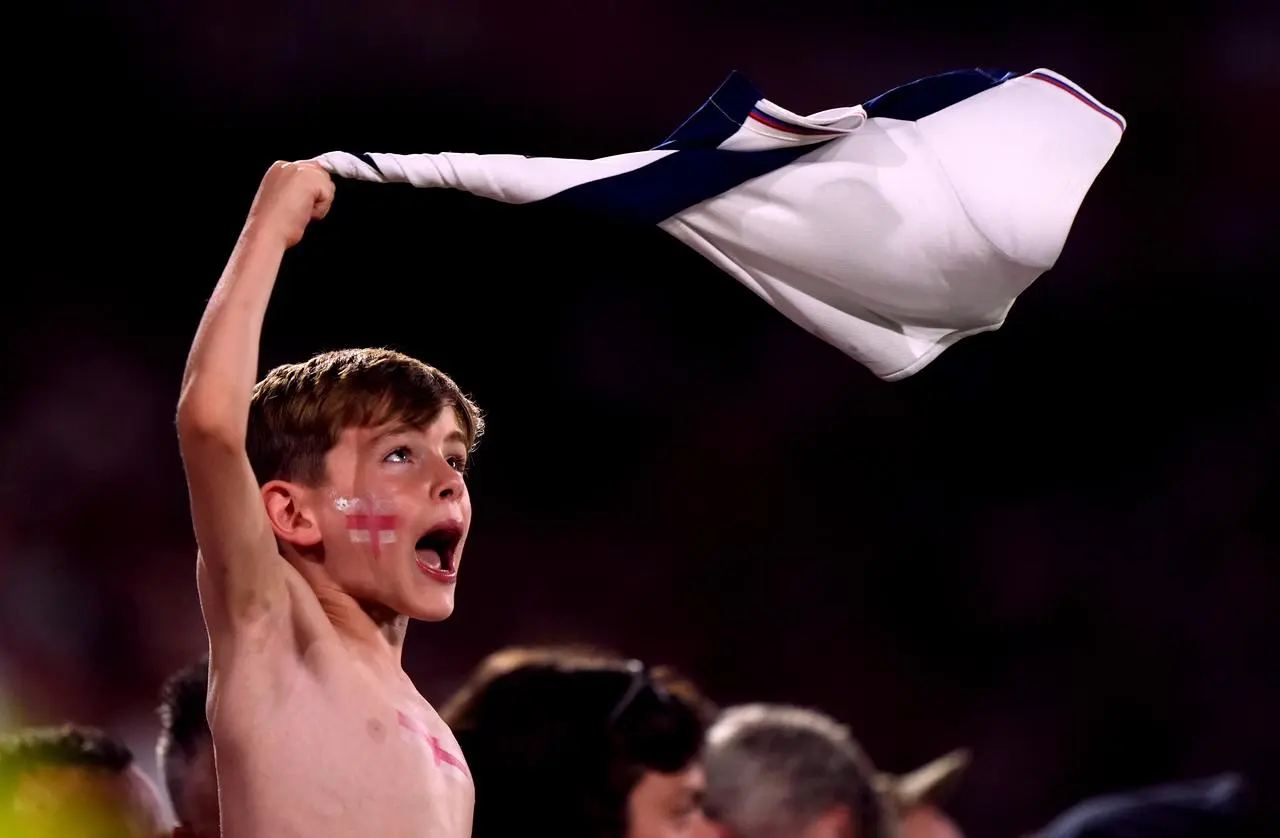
x=402, y=728
x=352, y=752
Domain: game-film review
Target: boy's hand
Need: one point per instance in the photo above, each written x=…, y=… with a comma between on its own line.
x=290, y=197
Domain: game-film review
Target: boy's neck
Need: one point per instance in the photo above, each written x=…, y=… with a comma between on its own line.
x=373, y=631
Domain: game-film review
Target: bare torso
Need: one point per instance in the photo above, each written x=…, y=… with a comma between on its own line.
x=311, y=742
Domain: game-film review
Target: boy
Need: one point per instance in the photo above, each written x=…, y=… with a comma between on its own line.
x=329, y=507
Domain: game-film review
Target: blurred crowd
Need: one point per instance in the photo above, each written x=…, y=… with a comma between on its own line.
x=580, y=742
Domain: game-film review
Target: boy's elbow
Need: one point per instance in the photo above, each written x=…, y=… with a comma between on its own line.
x=203, y=418
x=197, y=426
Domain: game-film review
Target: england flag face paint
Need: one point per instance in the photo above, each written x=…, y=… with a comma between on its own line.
x=369, y=521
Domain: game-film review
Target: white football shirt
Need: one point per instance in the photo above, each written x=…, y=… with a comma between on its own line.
x=890, y=229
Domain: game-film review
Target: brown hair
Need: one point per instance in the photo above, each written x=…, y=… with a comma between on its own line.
x=184, y=727
x=298, y=411
x=557, y=737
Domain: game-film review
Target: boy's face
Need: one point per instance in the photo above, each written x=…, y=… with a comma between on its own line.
x=393, y=516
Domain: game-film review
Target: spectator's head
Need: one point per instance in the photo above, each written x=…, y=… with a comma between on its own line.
x=70, y=780
x=774, y=771
x=921, y=795
x=1210, y=807
x=184, y=751
x=580, y=743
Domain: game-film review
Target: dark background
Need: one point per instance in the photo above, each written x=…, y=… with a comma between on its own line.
x=1050, y=546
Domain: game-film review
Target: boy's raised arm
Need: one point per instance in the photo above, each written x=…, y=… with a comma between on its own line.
x=234, y=535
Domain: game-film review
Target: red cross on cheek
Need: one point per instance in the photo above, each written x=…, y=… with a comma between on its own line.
x=374, y=530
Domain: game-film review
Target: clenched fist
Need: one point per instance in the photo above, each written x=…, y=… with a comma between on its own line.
x=290, y=197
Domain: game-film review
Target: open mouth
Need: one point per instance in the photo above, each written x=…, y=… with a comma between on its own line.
x=435, y=551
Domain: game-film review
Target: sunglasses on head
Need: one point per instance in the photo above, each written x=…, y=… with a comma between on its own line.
x=641, y=682
x=657, y=731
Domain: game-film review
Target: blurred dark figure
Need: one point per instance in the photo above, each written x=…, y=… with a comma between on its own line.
x=580, y=744
x=184, y=751
x=74, y=781
x=775, y=771
x=919, y=797
x=1213, y=807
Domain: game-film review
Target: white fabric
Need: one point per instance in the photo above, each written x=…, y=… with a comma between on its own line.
x=891, y=240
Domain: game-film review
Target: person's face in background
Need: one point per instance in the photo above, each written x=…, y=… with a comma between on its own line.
x=926, y=821
x=667, y=805
x=88, y=802
x=198, y=809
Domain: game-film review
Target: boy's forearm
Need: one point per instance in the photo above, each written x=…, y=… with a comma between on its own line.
x=222, y=366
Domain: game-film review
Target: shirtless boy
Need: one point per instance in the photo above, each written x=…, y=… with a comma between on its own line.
x=330, y=507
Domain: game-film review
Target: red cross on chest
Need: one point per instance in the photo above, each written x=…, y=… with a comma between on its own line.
x=439, y=753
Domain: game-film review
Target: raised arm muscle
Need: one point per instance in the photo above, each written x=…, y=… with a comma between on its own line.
x=245, y=571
